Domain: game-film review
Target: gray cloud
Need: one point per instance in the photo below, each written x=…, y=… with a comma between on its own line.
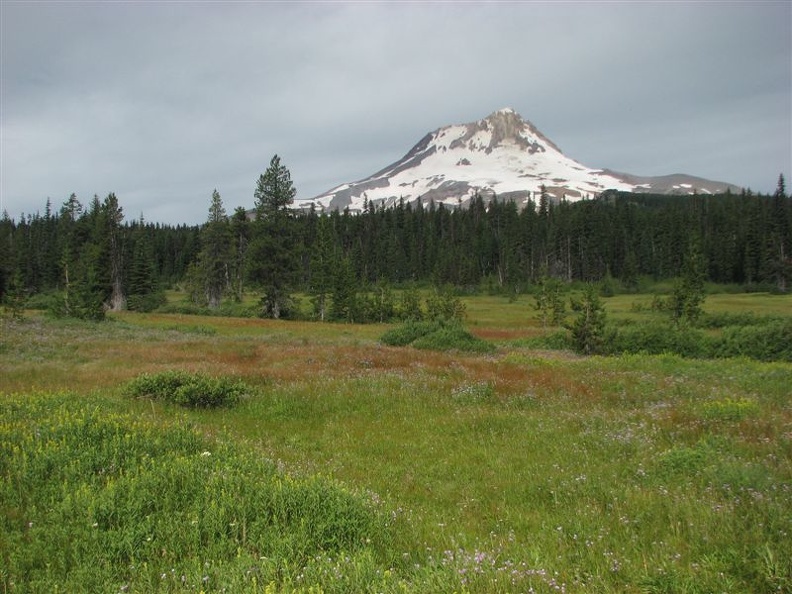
x=163, y=102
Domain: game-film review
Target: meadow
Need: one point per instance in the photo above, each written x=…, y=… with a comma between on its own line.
x=350, y=466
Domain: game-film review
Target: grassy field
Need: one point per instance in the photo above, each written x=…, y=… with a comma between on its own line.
x=350, y=466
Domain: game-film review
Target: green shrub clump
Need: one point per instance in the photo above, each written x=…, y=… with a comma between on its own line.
x=771, y=341
x=188, y=389
x=657, y=338
x=408, y=332
x=436, y=335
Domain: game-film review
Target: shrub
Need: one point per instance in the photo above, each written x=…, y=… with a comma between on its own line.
x=549, y=300
x=409, y=307
x=768, y=342
x=657, y=338
x=146, y=303
x=444, y=305
x=44, y=301
x=588, y=328
x=188, y=389
x=228, y=309
x=437, y=335
x=729, y=318
x=450, y=337
x=408, y=332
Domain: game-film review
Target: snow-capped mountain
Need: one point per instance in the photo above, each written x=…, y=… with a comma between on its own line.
x=503, y=155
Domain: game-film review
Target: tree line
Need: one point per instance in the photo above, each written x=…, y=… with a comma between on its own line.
x=94, y=261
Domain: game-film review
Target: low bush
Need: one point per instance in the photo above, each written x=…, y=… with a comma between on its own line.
x=767, y=342
x=188, y=389
x=453, y=337
x=436, y=335
x=656, y=338
x=229, y=310
x=725, y=319
x=555, y=341
x=146, y=303
x=762, y=338
x=408, y=332
x=44, y=301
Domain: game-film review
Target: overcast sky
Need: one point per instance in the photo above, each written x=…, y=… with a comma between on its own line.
x=162, y=102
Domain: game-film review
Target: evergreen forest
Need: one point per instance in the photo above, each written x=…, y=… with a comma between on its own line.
x=85, y=259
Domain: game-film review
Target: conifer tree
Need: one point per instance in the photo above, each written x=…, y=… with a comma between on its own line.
x=83, y=290
x=323, y=261
x=214, y=259
x=240, y=231
x=345, y=293
x=410, y=304
x=274, y=261
x=110, y=237
x=8, y=265
x=688, y=295
x=144, y=291
x=780, y=241
x=549, y=300
x=588, y=328
x=442, y=305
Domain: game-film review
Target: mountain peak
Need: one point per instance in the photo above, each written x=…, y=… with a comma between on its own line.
x=503, y=111
x=502, y=154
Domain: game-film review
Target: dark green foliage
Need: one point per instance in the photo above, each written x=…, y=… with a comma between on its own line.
x=188, y=389
x=322, y=263
x=623, y=238
x=345, y=306
x=84, y=296
x=436, y=335
x=229, y=309
x=147, y=302
x=761, y=338
x=771, y=341
x=725, y=319
x=655, y=338
x=213, y=269
x=274, y=253
x=559, y=340
x=549, y=300
x=452, y=337
x=408, y=332
x=410, y=304
x=587, y=330
x=274, y=190
x=14, y=298
x=444, y=305
x=144, y=292
x=688, y=295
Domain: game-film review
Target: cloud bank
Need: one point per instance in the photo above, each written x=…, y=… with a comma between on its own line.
x=162, y=102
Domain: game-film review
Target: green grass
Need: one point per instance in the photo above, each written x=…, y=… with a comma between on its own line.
x=436, y=472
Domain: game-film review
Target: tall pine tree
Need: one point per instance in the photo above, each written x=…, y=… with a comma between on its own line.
x=215, y=257
x=274, y=261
